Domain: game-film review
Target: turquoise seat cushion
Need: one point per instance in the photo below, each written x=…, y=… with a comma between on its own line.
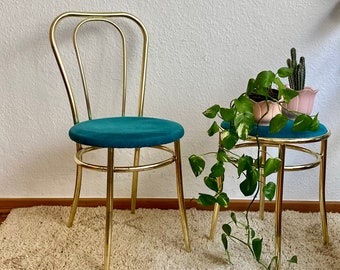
x=286, y=132
x=126, y=132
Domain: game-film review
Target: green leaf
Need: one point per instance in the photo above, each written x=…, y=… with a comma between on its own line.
x=214, y=128
x=253, y=174
x=211, y=183
x=247, y=187
x=244, y=104
x=250, y=86
x=315, y=123
x=227, y=114
x=223, y=199
x=197, y=164
x=244, y=163
x=288, y=94
x=277, y=123
x=269, y=190
x=257, y=248
x=302, y=122
x=284, y=72
x=228, y=139
x=217, y=170
x=272, y=165
x=281, y=87
x=212, y=111
x=222, y=156
x=227, y=229
x=206, y=199
x=225, y=241
x=233, y=217
x=293, y=259
x=264, y=79
x=244, y=123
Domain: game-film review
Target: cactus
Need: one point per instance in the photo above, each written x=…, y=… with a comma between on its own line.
x=297, y=79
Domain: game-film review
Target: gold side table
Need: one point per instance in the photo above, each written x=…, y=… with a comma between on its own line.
x=296, y=141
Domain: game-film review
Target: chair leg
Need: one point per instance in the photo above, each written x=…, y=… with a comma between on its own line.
x=135, y=182
x=75, y=196
x=180, y=195
x=322, y=198
x=109, y=209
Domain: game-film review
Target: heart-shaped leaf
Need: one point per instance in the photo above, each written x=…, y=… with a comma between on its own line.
x=269, y=190
x=214, y=128
x=257, y=248
x=197, y=164
x=206, y=199
x=212, y=111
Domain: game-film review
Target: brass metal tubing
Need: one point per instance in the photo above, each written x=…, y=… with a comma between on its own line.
x=300, y=167
x=109, y=208
x=126, y=169
x=76, y=195
x=180, y=195
x=214, y=221
x=135, y=182
x=277, y=141
x=217, y=208
x=322, y=183
x=278, y=205
x=262, y=182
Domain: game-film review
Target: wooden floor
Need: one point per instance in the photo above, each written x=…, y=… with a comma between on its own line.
x=7, y=204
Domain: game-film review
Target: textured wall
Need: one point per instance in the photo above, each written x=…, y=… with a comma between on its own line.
x=201, y=53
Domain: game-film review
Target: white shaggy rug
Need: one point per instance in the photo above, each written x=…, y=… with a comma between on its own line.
x=37, y=238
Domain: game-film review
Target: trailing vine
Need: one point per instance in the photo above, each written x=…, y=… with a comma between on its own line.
x=234, y=124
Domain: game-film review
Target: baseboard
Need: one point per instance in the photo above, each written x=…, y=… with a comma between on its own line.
x=7, y=204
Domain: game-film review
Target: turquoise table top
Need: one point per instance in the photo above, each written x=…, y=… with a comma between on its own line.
x=287, y=132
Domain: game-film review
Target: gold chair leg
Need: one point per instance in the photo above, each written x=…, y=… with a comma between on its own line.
x=180, y=195
x=75, y=196
x=262, y=183
x=322, y=198
x=109, y=209
x=278, y=206
x=135, y=182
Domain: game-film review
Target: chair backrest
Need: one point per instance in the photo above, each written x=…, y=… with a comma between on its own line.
x=72, y=26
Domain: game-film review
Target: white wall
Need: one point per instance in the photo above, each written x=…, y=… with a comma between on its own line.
x=201, y=53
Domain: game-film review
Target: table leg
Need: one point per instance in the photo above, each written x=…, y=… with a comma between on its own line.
x=215, y=214
x=278, y=205
x=322, y=182
x=262, y=182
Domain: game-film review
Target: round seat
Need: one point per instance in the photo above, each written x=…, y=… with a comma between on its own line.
x=126, y=132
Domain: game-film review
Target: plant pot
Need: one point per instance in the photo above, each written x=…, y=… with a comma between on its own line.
x=265, y=110
x=303, y=103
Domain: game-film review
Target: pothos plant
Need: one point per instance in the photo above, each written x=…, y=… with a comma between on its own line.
x=235, y=123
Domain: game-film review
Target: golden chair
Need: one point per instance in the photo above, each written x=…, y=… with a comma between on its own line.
x=123, y=132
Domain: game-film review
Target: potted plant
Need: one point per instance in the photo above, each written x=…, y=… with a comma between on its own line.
x=267, y=101
x=304, y=101
x=234, y=123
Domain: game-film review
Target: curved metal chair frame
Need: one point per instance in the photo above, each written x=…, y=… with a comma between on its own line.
x=81, y=150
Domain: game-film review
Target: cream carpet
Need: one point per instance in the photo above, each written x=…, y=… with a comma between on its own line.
x=37, y=238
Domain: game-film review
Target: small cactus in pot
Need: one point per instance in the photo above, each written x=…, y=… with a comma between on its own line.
x=304, y=102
